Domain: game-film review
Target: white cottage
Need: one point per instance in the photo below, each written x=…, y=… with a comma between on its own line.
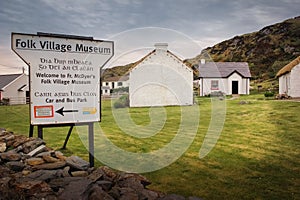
x=289, y=79
x=110, y=84
x=160, y=79
x=14, y=87
x=227, y=77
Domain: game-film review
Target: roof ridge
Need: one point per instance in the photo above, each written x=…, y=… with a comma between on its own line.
x=288, y=67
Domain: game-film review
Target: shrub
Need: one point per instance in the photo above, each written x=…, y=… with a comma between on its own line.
x=122, y=102
x=269, y=94
x=4, y=101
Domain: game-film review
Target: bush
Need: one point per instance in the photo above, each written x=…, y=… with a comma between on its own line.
x=269, y=94
x=122, y=102
x=4, y=101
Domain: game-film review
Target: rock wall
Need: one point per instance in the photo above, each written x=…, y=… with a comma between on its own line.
x=31, y=170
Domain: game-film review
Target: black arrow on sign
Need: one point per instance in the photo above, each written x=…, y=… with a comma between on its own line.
x=62, y=111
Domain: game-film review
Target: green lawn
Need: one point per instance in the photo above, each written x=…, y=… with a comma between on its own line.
x=256, y=157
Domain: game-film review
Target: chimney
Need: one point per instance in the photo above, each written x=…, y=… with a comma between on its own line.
x=202, y=61
x=161, y=46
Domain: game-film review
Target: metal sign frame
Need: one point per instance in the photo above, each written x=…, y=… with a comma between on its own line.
x=46, y=110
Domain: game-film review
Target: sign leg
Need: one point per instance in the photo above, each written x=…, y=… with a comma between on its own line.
x=40, y=132
x=91, y=144
x=68, y=136
x=31, y=130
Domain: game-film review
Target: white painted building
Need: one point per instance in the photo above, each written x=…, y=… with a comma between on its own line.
x=14, y=87
x=110, y=84
x=289, y=79
x=227, y=77
x=160, y=79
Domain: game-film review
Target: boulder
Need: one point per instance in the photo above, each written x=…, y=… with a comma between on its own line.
x=77, y=163
x=16, y=166
x=31, y=144
x=79, y=173
x=34, y=161
x=56, y=165
x=2, y=147
x=10, y=156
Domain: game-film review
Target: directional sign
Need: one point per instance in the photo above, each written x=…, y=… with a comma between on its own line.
x=64, y=74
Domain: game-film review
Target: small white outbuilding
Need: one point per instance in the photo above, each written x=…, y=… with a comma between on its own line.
x=160, y=79
x=15, y=88
x=226, y=77
x=289, y=79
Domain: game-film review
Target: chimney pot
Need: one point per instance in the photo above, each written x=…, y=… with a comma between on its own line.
x=161, y=46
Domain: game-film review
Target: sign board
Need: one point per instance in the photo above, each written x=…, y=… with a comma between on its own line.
x=64, y=74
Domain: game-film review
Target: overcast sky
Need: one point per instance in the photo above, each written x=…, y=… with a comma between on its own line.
x=206, y=22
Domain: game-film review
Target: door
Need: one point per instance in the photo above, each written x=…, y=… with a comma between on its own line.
x=235, y=87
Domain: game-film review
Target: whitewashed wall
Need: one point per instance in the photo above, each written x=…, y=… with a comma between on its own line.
x=160, y=80
x=284, y=84
x=225, y=85
x=295, y=82
x=11, y=90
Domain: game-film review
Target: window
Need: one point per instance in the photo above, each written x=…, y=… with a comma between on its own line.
x=106, y=83
x=214, y=85
x=120, y=84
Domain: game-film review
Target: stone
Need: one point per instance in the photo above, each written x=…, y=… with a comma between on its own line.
x=50, y=159
x=60, y=155
x=128, y=194
x=5, y=193
x=77, y=163
x=56, y=165
x=37, y=150
x=79, y=173
x=59, y=183
x=43, y=175
x=115, y=192
x=10, y=156
x=149, y=194
x=2, y=147
x=131, y=182
x=33, y=187
x=19, y=140
x=46, y=153
x=35, y=161
x=109, y=172
x=26, y=172
x=105, y=185
x=32, y=144
x=16, y=166
x=96, y=193
x=75, y=189
x=66, y=171
x=96, y=175
x=137, y=177
x=2, y=130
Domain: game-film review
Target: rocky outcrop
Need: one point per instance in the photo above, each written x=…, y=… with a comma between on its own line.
x=31, y=170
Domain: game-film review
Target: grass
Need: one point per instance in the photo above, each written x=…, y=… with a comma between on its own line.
x=256, y=157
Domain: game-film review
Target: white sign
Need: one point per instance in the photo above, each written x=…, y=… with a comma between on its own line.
x=64, y=74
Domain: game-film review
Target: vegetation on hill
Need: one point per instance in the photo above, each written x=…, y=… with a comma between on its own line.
x=266, y=51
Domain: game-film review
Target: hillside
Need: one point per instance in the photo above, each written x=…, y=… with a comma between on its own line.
x=266, y=51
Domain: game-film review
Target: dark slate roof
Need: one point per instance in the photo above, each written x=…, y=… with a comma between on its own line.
x=223, y=69
x=6, y=79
